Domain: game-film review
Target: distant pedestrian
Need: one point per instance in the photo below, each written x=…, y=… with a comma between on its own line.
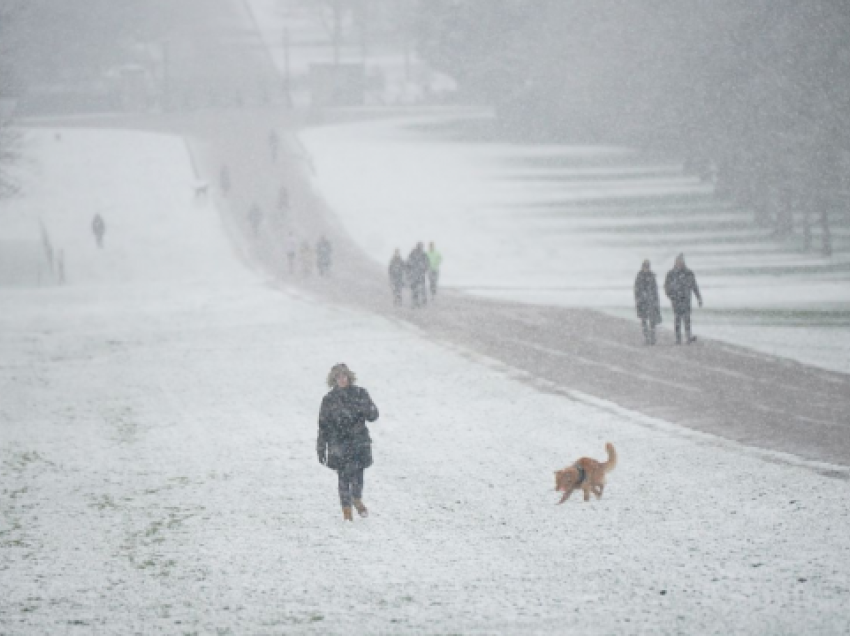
x=255, y=218
x=290, y=246
x=224, y=180
x=679, y=285
x=274, y=145
x=396, y=271
x=283, y=199
x=306, y=259
x=343, y=443
x=60, y=267
x=98, y=227
x=647, y=304
x=324, y=253
x=435, y=259
x=417, y=272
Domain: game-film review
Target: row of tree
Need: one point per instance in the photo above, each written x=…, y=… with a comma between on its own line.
x=758, y=89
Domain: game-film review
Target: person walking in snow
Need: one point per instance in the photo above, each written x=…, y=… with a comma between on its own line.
x=324, y=252
x=679, y=285
x=396, y=272
x=224, y=180
x=647, y=304
x=290, y=246
x=255, y=218
x=98, y=227
x=283, y=200
x=417, y=272
x=274, y=145
x=306, y=259
x=435, y=259
x=343, y=443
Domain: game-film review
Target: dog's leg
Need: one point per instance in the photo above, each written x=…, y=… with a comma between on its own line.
x=566, y=496
x=598, y=489
x=586, y=493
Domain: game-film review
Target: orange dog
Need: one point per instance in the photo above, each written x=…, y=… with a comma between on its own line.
x=587, y=474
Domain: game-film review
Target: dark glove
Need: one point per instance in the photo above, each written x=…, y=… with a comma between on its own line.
x=323, y=456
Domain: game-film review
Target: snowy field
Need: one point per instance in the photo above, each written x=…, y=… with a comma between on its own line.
x=570, y=225
x=157, y=459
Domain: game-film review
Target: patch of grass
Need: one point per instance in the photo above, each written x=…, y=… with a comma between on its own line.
x=104, y=502
x=19, y=462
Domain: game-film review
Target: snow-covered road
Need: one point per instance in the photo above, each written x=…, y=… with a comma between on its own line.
x=159, y=475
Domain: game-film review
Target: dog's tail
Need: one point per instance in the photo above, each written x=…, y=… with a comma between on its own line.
x=611, y=464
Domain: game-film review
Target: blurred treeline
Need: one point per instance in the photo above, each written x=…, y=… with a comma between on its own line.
x=756, y=91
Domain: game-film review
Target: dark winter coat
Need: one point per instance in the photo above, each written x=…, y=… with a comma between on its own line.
x=646, y=298
x=396, y=272
x=97, y=225
x=343, y=434
x=324, y=250
x=418, y=266
x=679, y=285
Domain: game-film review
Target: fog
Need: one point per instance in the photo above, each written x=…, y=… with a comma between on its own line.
x=303, y=302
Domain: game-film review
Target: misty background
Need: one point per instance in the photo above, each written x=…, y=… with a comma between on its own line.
x=753, y=95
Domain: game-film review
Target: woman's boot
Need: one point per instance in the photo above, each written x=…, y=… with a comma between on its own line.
x=361, y=509
x=346, y=514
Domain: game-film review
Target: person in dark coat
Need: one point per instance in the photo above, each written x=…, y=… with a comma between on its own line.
x=344, y=444
x=224, y=179
x=283, y=200
x=418, y=267
x=647, y=304
x=98, y=226
x=396, y=271
x=679, y=285
x=255, y=218
x=274, y=144
x=324, y=252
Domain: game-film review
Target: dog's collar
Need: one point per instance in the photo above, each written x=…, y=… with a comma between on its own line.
x=581, y=474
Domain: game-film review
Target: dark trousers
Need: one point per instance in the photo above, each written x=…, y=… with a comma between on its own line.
x=418, y=293
x=350, y=485
x=680, y=317
x=648, y=331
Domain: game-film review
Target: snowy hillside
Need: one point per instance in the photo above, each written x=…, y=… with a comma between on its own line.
x=158, y=468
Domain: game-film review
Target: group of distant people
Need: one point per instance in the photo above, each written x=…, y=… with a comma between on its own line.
x=301, y=256
x=420, y=272
x=679, y=285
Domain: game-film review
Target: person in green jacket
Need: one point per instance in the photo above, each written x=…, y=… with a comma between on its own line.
x=435, y=259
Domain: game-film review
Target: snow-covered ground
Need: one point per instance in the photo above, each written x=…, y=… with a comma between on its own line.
x=158, y=469
x=570, y=225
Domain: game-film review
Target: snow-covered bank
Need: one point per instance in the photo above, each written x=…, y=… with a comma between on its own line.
x=159, y=474
x=570, y=226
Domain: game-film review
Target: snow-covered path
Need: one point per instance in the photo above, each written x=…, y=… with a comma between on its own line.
x=158, y=469
x=570, y=225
